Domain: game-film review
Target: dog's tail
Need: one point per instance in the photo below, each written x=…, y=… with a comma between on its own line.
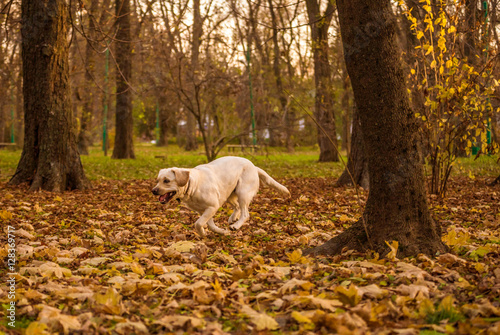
x=268, y=180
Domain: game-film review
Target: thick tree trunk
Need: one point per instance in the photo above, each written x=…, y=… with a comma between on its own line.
x=397, y=207
x=357, y=164
x=124, y=139
x=323, y=105
x=84, y=137
x=50, y=159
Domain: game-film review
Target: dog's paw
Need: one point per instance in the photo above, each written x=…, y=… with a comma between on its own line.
x=234, y=227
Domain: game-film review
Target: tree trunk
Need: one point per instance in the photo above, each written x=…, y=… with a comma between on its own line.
x=323, y=105
x=19, y=112
x=470, y=31
x=165, y=119
x=346, y=115
x=397, y=207
x=357, y=164
x=279, y=83
x=191, y=143
x=84, y=137
x=124, y=139
x=50, y=159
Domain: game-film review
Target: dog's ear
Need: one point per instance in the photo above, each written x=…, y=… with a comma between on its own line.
x=181, y=176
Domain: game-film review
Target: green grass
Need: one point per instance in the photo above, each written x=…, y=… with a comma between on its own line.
x=278, y=163
x=303, y=163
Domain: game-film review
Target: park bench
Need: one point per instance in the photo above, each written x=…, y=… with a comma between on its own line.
x=7, y=145
x=242, y=147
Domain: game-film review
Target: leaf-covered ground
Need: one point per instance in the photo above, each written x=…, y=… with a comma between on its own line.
x=114, y=260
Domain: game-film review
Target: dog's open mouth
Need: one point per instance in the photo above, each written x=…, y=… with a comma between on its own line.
x=166, y=197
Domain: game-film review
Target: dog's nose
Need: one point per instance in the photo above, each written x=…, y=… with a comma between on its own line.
x=155, y=191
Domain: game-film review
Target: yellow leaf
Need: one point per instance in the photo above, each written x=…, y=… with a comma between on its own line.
x=137, y=268
x=5, y=215
x=454, y=239
x=36, y=328
x=344, y=218
x=426, y=307
x=429, y=50
x=300, y=318
x=261, y=320
x=412, y=71
x=183, y=246
x=349, y=296
x=433, y=64
x=109, y=302
x=447, y=303
x=452, y=29
x=480, y=267
x=293, y=283
x=394, y=250
x=220, y=293
x=420, y=34
x=58, y=198
x=295, y=256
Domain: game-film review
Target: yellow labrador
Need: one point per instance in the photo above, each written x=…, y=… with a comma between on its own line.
x=207, y=187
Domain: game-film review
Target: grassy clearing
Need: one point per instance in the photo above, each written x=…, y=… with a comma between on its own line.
x=302, y=163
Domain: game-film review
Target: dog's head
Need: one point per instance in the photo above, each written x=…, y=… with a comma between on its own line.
x=169, y=183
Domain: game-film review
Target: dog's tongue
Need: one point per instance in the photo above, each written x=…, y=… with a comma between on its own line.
x=163, y=197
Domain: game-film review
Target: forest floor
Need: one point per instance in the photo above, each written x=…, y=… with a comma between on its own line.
x=112, y=259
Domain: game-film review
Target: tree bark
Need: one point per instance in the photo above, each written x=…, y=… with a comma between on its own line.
x=124, y=139
x=191, y=143
x=470, y=31
x=50, y=159
x=357, y=164
x=165, y=119
x=397, y=207
x=323, y=105
x=279, y=83
x=346, y=115
x=84, y=137
x=19, y=112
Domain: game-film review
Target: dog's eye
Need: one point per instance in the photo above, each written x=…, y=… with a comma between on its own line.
x=166, y=181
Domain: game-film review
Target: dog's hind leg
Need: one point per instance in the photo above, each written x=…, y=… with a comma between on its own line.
x=213, y=227
x=233, y=201
x=245, y=195
x=203, y=220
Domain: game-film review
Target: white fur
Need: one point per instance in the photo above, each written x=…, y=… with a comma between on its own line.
x=209, y=186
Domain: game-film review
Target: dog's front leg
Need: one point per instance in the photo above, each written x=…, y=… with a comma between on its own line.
x=204, y=218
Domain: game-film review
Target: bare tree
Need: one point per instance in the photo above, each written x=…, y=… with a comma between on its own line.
x=323, y=107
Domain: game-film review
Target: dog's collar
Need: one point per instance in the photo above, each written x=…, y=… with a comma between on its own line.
x=185, y=193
